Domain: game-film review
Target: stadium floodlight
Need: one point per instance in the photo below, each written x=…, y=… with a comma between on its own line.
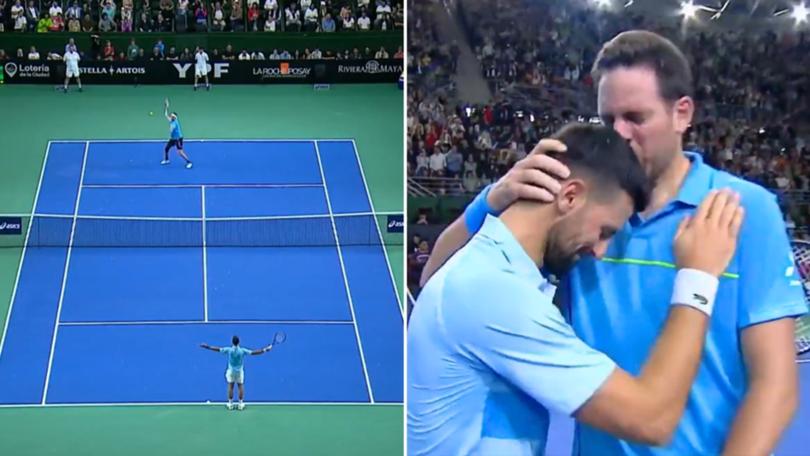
x=800, y=13
x=688, y=10
x=601, y=3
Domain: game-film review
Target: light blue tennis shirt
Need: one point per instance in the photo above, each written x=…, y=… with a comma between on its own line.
x=236, y=357
x=619, y=305
x=488, y=353
x=176, y=131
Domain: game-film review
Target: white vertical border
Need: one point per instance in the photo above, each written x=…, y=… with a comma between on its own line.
x=379, y=233
x=25, y=247
x=343, y=272
x=204, y=257
x=65, y=276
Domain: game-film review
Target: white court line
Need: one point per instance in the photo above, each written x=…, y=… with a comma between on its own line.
x=176, y=404
x=304, y=140
x=343, y=272
x=382, y=243
x=204, y=257
x=202, y=322
x=25, y=247
x=65, y=276
x=147, y=186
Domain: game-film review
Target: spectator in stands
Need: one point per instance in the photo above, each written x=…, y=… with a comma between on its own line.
x=383, y=15
x=172, y=55
x=18, y=16
x=200, y=16
x=186, y=55
x=87, y=23
x=270, y=7
x=398, y=16
x=328, y=24
x=438, y=163
x=167, y=8
x=73, y=25
x=218, y=23
x=400, y=54
x=161, y=47
x=141, y=58
x=364, y=23
x=2, y=15
x=316, y=54
x=126, y=18
x=292, y=16
x=182, y=7
x=253, y=16
x=20, y=54
x=44, y=23
x=156, y=56
x=271, y=24
x=109, y=9
x=164, y=24
x=132, y=49
x=257, y=55
x=356, y=54
x=33, y=54
x=381, y=53
x=121, y=57
x=274, y=55
x=285, y=55
x=347, y=19
x=455, y=161
x=74, y=11
x=236, y=19
x=109, y=51
x=106, y=24
x=146, y=23
x=244, y=55
x=55, y=9
x=57, y=23
x=53, y=55
x=146, y=7
x=3, y=55
x=228, y=54
x=31, y=16
x=310, y=18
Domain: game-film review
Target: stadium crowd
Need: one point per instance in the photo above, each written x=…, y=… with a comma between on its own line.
x=751, y=91
x=183, y=16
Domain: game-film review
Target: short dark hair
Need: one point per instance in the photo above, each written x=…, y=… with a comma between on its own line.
x=649, y=49
x=235, y=340
x=606, y=157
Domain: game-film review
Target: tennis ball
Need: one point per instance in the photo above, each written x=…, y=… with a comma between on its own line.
x=151, y=113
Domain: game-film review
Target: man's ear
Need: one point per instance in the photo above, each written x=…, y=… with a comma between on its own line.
x=571, y=196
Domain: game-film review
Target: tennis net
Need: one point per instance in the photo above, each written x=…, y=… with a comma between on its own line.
x=289, y=231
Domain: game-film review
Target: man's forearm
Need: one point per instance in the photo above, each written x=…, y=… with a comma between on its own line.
x=449, y=241
x=765, y=413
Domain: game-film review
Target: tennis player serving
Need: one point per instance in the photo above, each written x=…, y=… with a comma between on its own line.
x=176, y=137
x=236, y=366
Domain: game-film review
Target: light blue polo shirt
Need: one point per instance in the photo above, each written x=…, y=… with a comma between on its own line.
x=488, y=353
x=236, y=357
x=619, y=305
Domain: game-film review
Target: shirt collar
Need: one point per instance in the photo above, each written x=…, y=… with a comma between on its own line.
x=698, y=181
x=495, y=231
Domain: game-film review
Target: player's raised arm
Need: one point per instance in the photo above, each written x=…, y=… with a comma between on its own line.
x=262, y=350
x=209, y=347
x=166, y=109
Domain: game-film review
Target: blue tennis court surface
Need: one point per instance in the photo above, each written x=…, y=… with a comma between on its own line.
x=130, y=265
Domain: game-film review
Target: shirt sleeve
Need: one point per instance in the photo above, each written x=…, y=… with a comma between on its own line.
x=516, y=331
x=770, y=287
x=224, y=349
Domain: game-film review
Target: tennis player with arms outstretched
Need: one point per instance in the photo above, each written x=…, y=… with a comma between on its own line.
x=236, y=367
x=175, y=139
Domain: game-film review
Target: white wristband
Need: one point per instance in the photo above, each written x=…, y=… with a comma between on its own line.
x=695, y=288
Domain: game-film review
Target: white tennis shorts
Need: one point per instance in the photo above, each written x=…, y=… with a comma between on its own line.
x=200, y=70
x=72, y=71
x=232, y=376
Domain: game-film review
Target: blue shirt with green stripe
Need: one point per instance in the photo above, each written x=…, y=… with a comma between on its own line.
x=618, y=305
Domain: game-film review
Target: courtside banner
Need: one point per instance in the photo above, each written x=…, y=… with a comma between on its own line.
x=10, y=225
x=220, y=72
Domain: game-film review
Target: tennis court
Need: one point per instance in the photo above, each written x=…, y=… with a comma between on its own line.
x=129, y=265
x=300, y=410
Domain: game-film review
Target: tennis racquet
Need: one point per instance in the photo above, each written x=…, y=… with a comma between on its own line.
x=279, y=338
x=801, y=254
